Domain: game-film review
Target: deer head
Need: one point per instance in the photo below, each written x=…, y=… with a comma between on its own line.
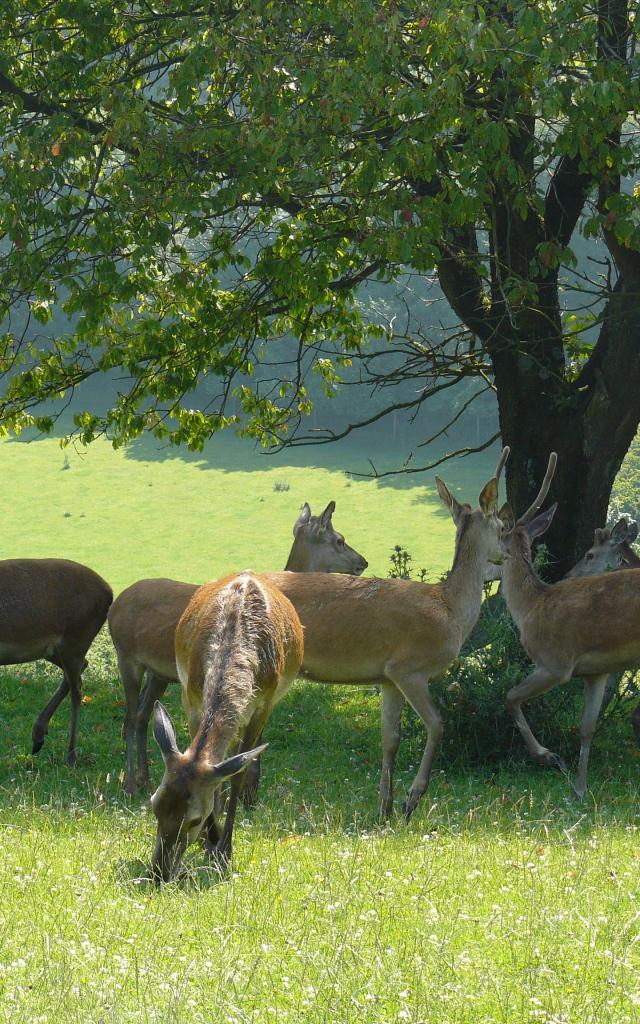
x=523, y=531
x=318, y=547
x=184, y=799
x=480, y=526
x=610, y=550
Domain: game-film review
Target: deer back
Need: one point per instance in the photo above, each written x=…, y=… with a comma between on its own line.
x=50, y=597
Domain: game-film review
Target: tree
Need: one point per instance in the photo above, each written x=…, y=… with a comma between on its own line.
x=196, y=181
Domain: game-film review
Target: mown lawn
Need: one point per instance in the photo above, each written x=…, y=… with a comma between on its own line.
x=502, y=901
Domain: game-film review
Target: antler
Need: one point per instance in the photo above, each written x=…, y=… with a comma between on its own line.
x=542, y=493
x=501, y=461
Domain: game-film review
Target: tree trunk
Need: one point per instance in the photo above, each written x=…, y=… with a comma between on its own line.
x=590, y=423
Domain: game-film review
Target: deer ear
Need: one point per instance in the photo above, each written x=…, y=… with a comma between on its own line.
x=541, y=523
x=452, y=503
x=325, y=518
x=232, y=765
x=507, y=517
x=620, y=532
x=164, y=733
x=302, y=519
x=632, y=531
x=488, y=499
x=601, y=536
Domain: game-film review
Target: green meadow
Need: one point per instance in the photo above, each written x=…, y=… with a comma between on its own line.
x=502, y=900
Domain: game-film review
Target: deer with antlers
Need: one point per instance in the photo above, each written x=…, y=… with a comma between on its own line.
x=584, y=626
x=238, y=649
x=143, y=620
x=400, y=633
x=52, y=609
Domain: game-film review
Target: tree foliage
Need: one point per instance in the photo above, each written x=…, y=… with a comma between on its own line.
x=196, y=182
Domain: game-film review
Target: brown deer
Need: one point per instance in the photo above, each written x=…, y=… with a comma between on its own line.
x=143, y=619
x=611, y=550
x=400, y=633
x=584, y=626
x=52, y=609
x=238, y=649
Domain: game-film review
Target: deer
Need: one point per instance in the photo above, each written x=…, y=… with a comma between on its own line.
x=611, y=550
x=51, y=609
x=143, y=620
x=239, y=647
x=585, y=626
x=400, y=634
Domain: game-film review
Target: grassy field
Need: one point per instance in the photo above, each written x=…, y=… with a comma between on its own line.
x=502, y=901
x=148, y=512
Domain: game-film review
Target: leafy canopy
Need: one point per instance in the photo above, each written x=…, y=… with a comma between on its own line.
x=194, y=182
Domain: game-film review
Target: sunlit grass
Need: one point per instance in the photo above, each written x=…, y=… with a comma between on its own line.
x=502, y=901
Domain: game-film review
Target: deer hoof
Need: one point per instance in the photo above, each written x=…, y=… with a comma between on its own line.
x=554, y=761
x=578, y=795
x=72, y=759
x=409, y=806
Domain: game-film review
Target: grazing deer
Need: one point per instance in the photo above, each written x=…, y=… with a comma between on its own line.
x=400, y=633
x=611, y=550
x=238, y=649
x=584, y=626
x=143, y=619
x=51, y=608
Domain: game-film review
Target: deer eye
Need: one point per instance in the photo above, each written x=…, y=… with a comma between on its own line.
x=194, y=823
x=340, y=542
x=589, y=555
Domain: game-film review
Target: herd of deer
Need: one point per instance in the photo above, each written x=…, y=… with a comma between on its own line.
x=237, y=644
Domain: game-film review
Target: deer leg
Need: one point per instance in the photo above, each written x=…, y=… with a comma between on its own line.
x=594, y=687
x=251, y=780
x=74, y=672
x=131, y=675
x=252, y=731
x=40, y=726
x=392, y=704
x=537, y=682
x=415, y=687
x=152, y=692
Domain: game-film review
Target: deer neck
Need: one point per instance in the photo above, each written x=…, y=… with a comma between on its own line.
x=463, y=586
x=298, y=560
x=520, y=585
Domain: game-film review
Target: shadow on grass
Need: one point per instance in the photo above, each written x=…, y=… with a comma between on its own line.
x=354, y=455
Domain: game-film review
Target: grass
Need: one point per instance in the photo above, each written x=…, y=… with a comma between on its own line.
x=502, y=901
x=134, y=513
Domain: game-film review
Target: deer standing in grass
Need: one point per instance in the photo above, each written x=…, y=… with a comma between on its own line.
x=238, y=649
x=143, y=620
x=51, y=608
x=584, y=626
x=400, y=633
x=612, y=551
